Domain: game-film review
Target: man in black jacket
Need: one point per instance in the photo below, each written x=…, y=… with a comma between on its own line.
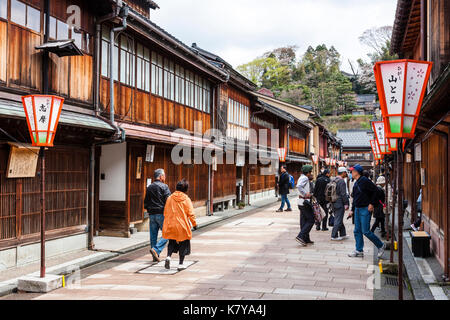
x=319, y=193
x=364, y=200
x=154, y=203
x=283, y=189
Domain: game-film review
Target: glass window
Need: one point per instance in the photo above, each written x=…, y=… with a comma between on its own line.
x=33, y=19
x=4, y=9
x=52, y=27
x=105, y=58
x=62, y=30
x=77, y=37
x=18, y=10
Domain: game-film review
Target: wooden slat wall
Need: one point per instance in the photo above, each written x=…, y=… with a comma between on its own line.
x=297, y=145
x=3, y=50
x=260, y=182
x=439, y=36
x=66, y=194
x=148, y=109
x=434, y=160
x=24, y=61
x=224, y=181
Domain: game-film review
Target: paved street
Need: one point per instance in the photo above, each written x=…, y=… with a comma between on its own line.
x=252, y=256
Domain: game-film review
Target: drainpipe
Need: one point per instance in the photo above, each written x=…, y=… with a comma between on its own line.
x=124, y=13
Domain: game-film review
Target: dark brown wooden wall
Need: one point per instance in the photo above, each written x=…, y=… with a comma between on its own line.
x=133, y=105
x=224, y=181
x=260, y=182
x=67, y=171
x=434, y=159
x=21, y=63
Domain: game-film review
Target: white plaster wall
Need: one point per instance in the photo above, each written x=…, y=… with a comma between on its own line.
x=113, y=164
x=27, y=254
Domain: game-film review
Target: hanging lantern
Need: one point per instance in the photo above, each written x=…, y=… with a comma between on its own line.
x=315, y=159
x=282, y=154
x=375, y=150
x=401, y=87
x=392, y=144
x=327, y=161
x=378, y=129
x=42, y=112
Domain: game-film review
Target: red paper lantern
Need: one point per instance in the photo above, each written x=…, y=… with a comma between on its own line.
x=378, y=129
x=401, y=86
x=282, y=154
x=42, y=112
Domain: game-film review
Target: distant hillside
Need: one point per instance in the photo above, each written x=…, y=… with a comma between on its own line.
x=348, y=121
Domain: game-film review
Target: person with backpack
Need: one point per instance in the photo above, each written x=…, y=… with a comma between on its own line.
x=319, y=193
x=364, y=201
x=283, y=189
x=378, y=212
x=340, y=202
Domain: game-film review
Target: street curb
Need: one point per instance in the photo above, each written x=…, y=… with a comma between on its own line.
x=10, y=286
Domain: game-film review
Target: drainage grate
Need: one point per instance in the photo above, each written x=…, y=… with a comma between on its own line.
x=390, y=281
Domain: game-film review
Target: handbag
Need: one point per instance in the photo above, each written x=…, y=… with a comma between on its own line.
x=319, y=213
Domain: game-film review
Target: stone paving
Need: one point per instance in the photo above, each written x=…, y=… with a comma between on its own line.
x=251, y=256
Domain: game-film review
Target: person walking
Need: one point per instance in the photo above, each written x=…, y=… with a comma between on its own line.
x=378, y=212
x=416, y=225
x=155, y=201
x=283, y=189
x=305, y=206
x=319, y=193
x=364, y=200
x=178, y=218
x=340, y=206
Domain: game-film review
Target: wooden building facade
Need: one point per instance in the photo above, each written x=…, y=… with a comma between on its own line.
x=422, y=31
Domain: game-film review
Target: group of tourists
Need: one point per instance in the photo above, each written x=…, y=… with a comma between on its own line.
x=332, y=195
x=174, y=215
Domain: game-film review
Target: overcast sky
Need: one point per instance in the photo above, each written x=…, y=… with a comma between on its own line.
x=241, y=30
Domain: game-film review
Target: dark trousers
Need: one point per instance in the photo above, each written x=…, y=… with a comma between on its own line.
x=306, y=221
x=325, y=219
x=339, y=227
x=379, y=222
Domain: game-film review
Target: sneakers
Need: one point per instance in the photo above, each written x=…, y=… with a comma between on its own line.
x=337, y=239
x=181, y=267
x=155, y=255
x=326, y=229
x=279, y=210
x=289, y=209
x=309, y=242
x=167, y=264
x=301, y=241
x=356, y=254
x=381, y=250
x=318, y=228
x=414, y=227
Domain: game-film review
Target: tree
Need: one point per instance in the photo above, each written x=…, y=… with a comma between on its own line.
x=379, y=40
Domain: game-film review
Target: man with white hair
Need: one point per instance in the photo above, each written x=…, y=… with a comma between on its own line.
x=342, y=203
x=154, y=203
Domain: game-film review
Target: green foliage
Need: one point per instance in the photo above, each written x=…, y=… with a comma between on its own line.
x=314, y=79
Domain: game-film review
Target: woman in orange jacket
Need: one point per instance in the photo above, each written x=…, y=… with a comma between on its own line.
x=178, y=218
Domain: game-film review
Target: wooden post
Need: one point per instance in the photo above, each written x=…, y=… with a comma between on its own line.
x=400, y=223
x=386, y=191
x=394, y=198
x=42, y=156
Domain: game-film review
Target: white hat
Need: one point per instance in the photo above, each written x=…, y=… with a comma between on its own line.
x=381, y=180
x=342, y=169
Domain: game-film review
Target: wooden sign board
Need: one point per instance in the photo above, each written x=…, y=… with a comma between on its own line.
x=22, y=161
x=139, y=168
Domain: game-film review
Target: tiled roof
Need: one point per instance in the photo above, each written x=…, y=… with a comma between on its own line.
x=355, y=138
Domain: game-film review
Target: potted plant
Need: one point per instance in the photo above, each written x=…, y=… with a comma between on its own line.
x=241, y=205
